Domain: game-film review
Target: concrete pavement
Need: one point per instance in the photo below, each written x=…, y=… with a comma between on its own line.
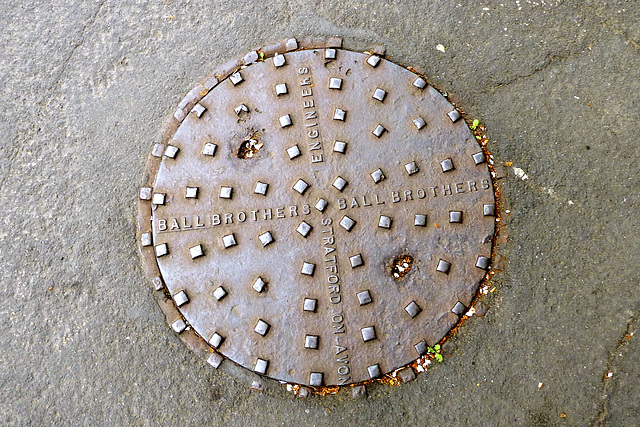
x=86, y=88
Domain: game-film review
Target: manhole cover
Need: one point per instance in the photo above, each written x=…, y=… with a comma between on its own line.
x=320, y=216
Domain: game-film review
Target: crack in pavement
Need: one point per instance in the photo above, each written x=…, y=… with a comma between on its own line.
x=548, y=61
x=65, y=64
x=608, y=25
x=554, y=58
x=67, y=60
x=607, y=379
x=625, y=37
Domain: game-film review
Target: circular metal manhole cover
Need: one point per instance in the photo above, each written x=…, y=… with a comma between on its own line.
x=319, y=216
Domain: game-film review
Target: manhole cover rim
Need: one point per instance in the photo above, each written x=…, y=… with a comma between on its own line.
x=150, y=265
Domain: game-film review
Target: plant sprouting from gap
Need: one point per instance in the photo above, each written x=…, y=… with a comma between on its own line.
x=436, y=351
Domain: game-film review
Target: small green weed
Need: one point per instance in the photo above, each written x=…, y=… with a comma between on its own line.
x=436, y=351
x=475, y=124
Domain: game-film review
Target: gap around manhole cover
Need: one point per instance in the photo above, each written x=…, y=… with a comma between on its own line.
x=287, y=191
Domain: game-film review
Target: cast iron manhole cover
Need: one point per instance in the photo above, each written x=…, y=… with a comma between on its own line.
x=320, y=216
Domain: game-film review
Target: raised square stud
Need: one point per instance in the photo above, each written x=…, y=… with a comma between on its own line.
x=291, y=44
x=334, y=42
x=196, y=251
x=407, y=374
x=479, y=158
x=447, y=165
x=379, y=130
x=339, y=115
x=209, y=149
x=261, y=366
x=377, y=175
x=198, y=110
x=368, y=333
x=171, y=151
x=158, y=150
x=315, y=379
x=321, y=205
x=281, y=89
x=356, y=260
x=459, y=309
x=420, y=220
x=379, y=94
x=236, y=78
x=330, y=54
x=179, y=326
x=181, y=298
x=340, y=183
x=421, y=347
x=347, y=223
x=279, y=60
x=411, y=168
x=250, y=57
x=293, y=152
x=374, y=371
x=340, y=147
x=162, y=250
x=191, y=193
x=261, y=327
x=219, y=293
x=261, y=188
x=455, y=217
x=216, y=340
x=483, y=262
x=158, y=198
x=335, y=83
x=420, y=83
x=373, y=60
x=266, y=238
x=384, y=222
x=226, y=192
x=311, y=341
x=443, y=266
x=211, y=83
x=300, y=186
x=364, y=297
x=229, y=240
x=308, y=268
x=454, y=115
x=259, y=285
x=146, y=239
x=241, y=109
x=413, y=309
x=215, y=360
x=285, y=121
x=489, y=210
x=304, y=229
x=310, y=304
x=419, y=123
x=145, y=193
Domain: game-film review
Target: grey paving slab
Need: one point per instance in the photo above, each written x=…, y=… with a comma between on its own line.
x=86, y=88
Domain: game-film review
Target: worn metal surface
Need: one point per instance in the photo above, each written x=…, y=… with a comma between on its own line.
x=317, y=217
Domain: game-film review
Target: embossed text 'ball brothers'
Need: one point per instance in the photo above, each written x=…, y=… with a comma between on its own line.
x=319, y=217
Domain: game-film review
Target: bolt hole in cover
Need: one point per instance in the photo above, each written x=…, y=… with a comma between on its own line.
x=316, y=215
